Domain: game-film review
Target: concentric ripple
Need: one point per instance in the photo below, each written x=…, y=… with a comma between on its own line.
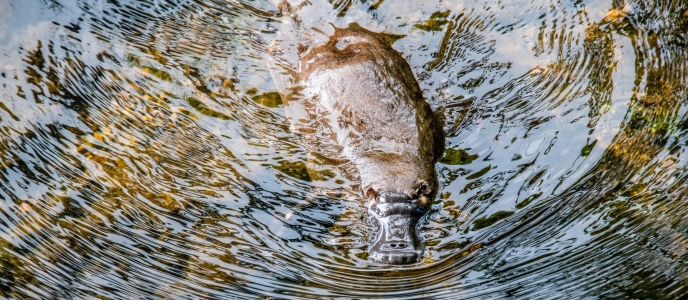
x=145, y=153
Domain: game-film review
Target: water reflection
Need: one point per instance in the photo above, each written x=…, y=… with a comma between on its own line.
x=144, y=153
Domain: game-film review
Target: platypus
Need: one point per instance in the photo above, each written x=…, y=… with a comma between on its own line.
x=361, y=98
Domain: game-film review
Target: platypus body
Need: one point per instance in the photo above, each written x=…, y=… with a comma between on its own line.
x=369, y=109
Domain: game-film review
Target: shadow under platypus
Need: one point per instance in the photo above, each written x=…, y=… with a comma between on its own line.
x=355, y=98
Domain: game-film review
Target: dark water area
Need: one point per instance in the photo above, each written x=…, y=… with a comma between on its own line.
x=145, y=152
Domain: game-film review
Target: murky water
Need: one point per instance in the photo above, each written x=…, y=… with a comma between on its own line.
x=145, y=152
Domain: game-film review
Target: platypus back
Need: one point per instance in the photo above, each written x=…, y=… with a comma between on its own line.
x=360, y=101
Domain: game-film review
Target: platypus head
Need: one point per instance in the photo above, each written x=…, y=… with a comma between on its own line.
x=400, y=193
x=363, y=95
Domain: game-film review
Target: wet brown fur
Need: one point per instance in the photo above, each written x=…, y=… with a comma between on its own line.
x=366, y=94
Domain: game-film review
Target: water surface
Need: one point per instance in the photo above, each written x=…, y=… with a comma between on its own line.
x=145, y=152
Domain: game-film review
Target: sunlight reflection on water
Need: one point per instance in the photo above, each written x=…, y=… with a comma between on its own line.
x=145, y=154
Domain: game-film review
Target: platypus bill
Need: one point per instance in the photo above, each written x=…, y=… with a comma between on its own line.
x=369, y=109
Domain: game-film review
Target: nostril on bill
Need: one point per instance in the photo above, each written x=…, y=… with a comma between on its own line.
x=395, y=246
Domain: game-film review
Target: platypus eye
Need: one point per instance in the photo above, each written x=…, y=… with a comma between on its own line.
x=423, y=192
x=370, y=193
